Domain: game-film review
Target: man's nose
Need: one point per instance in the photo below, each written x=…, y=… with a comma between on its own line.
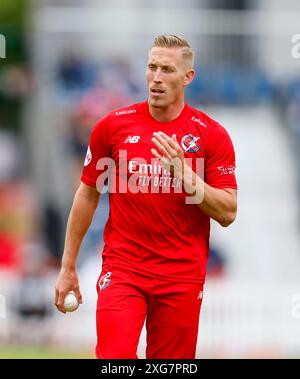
x=157, y=76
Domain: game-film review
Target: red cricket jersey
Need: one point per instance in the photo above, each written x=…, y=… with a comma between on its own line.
x=150, y=229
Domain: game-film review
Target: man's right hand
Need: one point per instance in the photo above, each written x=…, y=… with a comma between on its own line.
x=83, y=209
x=67, y=281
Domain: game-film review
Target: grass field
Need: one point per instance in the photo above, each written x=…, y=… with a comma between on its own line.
x=29, y=352
x=24, y=352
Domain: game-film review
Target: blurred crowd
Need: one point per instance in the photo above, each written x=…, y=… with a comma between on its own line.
x=86, y=91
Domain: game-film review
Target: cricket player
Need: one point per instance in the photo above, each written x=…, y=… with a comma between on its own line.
x=172, y=169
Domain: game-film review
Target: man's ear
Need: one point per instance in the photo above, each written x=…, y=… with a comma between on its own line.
x=189, y=76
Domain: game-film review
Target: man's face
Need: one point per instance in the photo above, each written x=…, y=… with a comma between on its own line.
x=167, y=75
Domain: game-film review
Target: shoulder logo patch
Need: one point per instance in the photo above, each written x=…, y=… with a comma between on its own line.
x=88, y=157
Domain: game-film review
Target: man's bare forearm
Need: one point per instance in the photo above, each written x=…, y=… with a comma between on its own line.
x=80, y=218
x=219, y=204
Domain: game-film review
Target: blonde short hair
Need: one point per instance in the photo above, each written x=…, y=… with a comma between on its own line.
x=172, y=41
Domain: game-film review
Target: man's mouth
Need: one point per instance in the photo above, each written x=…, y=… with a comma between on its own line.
x=157, y=91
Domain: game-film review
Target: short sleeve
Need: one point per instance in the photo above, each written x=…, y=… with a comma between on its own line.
x=220, y=159
x=99, y=147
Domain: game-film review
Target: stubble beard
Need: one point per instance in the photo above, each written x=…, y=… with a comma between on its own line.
x=155, y=103
x=158, y=103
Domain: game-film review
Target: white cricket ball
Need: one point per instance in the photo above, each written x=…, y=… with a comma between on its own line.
x=71, y=303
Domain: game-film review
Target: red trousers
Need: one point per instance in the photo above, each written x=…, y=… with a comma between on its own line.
x=171, y=311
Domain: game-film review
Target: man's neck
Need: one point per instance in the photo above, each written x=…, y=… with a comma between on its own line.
x=167, y=114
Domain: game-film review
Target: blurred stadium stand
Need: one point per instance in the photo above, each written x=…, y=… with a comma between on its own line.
x=87, y=59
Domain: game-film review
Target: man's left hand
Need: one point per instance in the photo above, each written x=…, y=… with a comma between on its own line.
x=172, y=157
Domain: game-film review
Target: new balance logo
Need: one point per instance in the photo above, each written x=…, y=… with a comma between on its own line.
x=132, y=139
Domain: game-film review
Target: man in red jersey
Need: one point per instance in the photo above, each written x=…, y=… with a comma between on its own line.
x=161, y=201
